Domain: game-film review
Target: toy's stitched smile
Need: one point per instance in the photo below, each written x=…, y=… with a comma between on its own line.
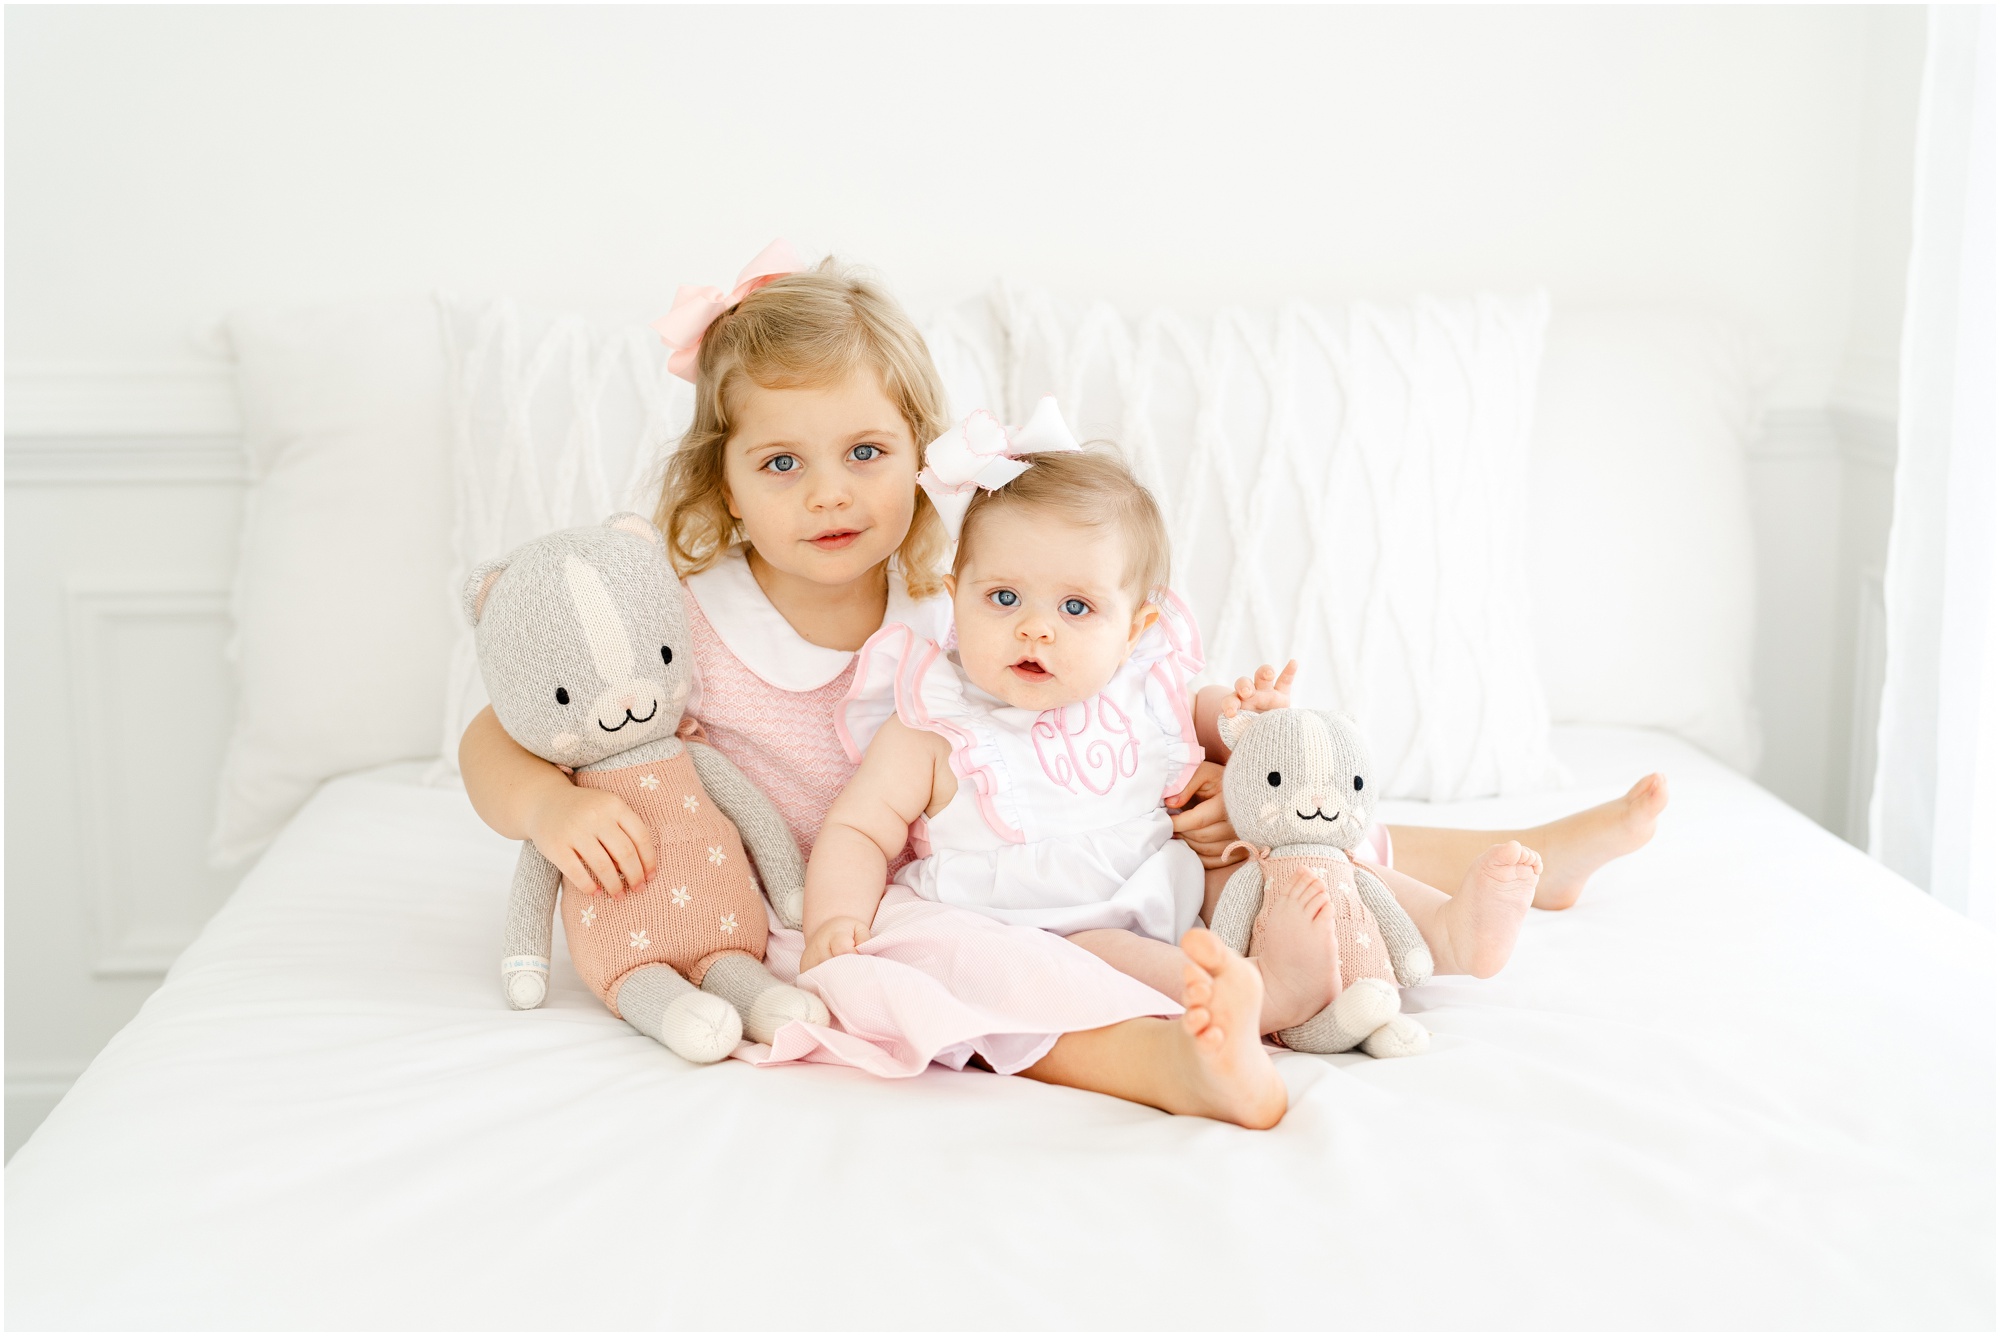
x=629, y=718
x=1315, y=814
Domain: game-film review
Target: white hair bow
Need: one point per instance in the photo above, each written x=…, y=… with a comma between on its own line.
x=979, y=454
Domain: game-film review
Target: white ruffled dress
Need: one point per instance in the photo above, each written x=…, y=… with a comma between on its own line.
x=1059, y=821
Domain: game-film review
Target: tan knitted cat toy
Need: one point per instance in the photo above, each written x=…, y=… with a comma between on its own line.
x=1297, y=787
x=583, y=642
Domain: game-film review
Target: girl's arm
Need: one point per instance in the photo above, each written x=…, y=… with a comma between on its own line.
x=903, y=775
x=590, y=835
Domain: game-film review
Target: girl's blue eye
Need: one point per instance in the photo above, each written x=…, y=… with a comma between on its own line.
x=863, y=453
x=1006, y=598
x=781, y=463
x=1075, y=607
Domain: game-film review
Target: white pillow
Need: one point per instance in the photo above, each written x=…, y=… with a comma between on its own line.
x=558, y=420
x=1642, y=554
x=1347, y=486
x=342, y=604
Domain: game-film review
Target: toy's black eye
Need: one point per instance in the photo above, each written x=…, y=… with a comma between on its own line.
x=1357, y=783
x=1274, y=779
x=667, y=656
x=562, y=696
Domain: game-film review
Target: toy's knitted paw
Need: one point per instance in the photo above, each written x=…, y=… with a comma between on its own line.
x=700, y=1027
x=1402, y=1037
x=1415, y=967
x=525, y=980
x=790, y=902
x=778, y=1007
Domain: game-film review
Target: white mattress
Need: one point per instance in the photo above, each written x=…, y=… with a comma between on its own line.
x=1748, y=1082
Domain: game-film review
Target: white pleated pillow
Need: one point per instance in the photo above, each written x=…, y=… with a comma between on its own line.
x=1346, y=486
x=558, y=420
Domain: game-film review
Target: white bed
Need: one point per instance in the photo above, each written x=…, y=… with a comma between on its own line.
x=1748, y=1082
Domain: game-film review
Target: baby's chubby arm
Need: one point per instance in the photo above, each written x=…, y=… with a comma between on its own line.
x=1204, y=822
x=903, y=776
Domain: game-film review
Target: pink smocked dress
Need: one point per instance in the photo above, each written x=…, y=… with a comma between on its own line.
x=934, y=983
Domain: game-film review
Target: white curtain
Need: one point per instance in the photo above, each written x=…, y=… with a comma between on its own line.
x=1935, y=812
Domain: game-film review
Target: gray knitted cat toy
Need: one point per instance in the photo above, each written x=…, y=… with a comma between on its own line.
x=583, y=642
x=1299, y=787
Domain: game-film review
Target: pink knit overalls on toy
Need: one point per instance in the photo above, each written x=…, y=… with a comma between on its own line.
x=1360, y=951
x=701, y=903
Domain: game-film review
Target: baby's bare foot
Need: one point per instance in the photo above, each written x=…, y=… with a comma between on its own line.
x=1576, y=846
x=1484, y=917
x=1226, y=1073
x=1295, y=949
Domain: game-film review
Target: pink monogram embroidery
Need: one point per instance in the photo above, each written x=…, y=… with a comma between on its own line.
x=1102, y=753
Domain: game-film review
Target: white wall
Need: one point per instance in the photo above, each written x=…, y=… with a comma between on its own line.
x=164, y=166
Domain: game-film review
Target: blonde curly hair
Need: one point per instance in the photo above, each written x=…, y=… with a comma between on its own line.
x=811, y=328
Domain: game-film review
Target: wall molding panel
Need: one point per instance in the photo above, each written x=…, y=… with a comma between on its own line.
x=46, y=461
x=143, y=399
x=133, y=638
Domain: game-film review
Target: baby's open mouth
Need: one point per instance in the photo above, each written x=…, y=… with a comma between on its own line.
x=834, y=539
x=1028, y=670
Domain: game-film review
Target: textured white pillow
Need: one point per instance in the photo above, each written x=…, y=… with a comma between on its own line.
x=1643, y=561
x=342, y=605
x=558, y=420
x=1346, y=486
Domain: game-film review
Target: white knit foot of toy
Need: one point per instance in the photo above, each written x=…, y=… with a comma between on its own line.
x=1366, y=1005
x=1402, y=1037
x=700, y=1027
x=775, y=1008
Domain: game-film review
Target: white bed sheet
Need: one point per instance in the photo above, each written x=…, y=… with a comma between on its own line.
x=1749, y=1081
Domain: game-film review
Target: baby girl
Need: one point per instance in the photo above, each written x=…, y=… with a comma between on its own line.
x=1029, y=760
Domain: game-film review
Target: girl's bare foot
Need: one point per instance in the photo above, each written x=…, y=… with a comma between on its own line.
x=1576, y=846
x=1484, y=917
x=1295, y=949
x=1226, y=1074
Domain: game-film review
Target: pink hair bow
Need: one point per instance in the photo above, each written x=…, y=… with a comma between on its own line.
x=695, y=309
x=979, y=454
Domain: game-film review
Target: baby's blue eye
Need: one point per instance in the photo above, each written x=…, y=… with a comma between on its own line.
x=781, y=463
x=1006, y=598
x=863, y=453
x=1075, y=607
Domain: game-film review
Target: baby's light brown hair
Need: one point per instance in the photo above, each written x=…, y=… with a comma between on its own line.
x=1095, y=489
x=804, y=329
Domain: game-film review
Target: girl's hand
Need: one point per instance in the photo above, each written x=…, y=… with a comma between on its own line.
x=835, y=937
x=1269, y=690
x=593, y=839
x=1203, y=821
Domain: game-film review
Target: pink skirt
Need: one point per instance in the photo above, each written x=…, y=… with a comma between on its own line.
x=939, y=984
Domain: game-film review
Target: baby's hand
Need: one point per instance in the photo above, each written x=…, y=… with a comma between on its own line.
x=1270, y=690
x=1203, y=822
x=835, y=937
x=593, y=839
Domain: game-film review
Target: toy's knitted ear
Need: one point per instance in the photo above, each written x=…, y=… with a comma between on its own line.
x=638, y=526
x=472, y=598
x=1232, y=726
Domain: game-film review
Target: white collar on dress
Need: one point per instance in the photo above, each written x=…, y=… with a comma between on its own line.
x=765, y=643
